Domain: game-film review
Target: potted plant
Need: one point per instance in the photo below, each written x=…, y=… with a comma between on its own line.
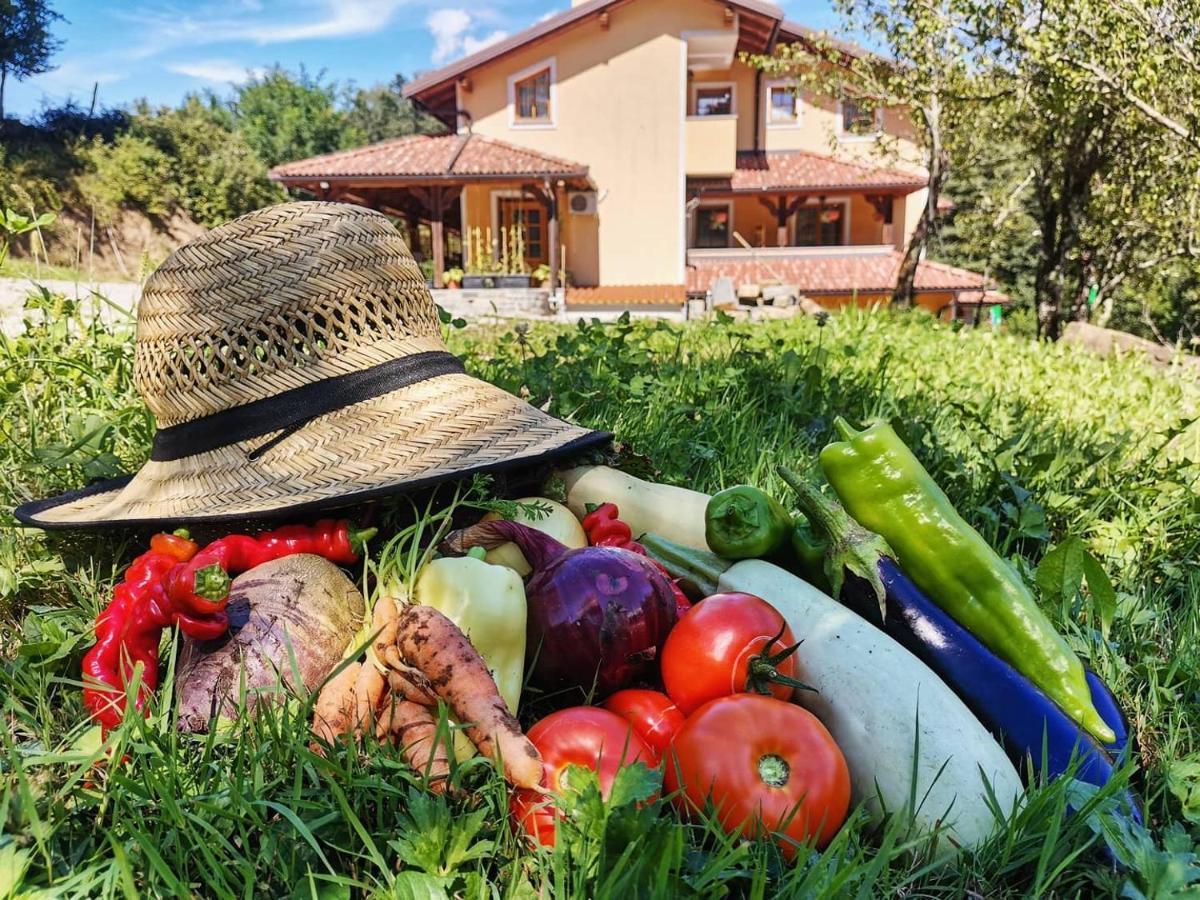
x=541, y=276
x=452, y=277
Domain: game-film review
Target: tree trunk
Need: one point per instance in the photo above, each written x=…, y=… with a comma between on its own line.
x=3, y=78
x=939, y=168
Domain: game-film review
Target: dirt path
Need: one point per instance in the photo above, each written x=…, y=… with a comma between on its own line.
x=122, y=297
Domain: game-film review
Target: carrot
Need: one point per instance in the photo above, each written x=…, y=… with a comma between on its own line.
x=435, y=645
x=384, y=620
x=335, y=709
x=410, y=684
x=414, y=729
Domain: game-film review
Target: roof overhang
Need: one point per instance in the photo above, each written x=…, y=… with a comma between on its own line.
x=758, y=22
x=403, y=181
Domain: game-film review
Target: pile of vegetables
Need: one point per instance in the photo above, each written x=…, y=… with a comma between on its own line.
x=779, y=668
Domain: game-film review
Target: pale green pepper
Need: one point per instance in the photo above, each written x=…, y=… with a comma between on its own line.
x=488, y=603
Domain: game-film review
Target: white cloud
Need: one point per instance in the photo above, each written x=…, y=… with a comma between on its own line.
x=450, y=27
x=215, y=71
x=471, y=45
x=163, y=26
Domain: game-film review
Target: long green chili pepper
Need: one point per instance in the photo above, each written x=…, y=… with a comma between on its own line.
x=888, y=491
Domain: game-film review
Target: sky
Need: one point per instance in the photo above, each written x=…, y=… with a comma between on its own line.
x=161, y=50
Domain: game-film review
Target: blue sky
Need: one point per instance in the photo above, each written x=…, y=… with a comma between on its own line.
x=163, y=49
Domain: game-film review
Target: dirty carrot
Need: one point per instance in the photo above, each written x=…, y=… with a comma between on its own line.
x=414, y=729
x=435, y=645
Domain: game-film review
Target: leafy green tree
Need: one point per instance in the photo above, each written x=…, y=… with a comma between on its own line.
x=26, y=43
x=1104, y=101
x=284, y=116
x=216, y=174
x=926, y=68
x=129, y=172
x=382, y=112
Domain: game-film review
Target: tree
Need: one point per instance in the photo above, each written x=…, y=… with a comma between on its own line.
x=26, y=44
x=1107, y=100
x=382, y=112
x=928, y=70
x=284, y=116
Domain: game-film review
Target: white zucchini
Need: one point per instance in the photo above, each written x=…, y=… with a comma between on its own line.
x=673, y=512
x=878, y=701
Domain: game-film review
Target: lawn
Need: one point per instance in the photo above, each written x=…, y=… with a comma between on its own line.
x=1033, y=442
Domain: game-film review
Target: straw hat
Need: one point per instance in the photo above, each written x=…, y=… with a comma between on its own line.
x=293, y=360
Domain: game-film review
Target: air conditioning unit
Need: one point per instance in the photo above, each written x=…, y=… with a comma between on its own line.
x=582, y=203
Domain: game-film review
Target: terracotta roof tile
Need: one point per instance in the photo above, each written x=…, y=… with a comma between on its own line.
x=627, y=295
x=432, y=156
x=866, y=273
x=801, y=170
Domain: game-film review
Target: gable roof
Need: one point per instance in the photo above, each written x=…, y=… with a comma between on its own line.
x=434, y=89
x=417, y=158
x=805, y=172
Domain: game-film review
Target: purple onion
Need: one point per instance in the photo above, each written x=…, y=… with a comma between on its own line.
x=598, y=616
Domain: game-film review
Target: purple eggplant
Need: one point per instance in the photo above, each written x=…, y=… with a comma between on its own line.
x=1029, y=723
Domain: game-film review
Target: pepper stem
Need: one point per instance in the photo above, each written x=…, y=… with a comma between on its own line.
x=844, y=429
x=358, y=538
x=182, y=533
x=851, y=546
x=211, y=583
x=698, y=567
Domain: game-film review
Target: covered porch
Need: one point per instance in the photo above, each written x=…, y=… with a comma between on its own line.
x=793, y=198
x=437, y=189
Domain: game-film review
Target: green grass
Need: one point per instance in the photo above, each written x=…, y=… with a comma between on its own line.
x=1034, y=443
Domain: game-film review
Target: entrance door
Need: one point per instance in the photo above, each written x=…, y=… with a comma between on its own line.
x=531, y=218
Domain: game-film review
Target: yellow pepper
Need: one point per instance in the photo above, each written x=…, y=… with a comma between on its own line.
x=488, y=603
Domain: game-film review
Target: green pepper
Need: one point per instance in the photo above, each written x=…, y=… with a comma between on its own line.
x=888, y=491
x=743, y=522
x=808, y=552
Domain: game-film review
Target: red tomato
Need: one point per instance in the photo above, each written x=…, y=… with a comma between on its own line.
x=769, y=766
x=654, y=718
x=583, y=736
x=712, y=650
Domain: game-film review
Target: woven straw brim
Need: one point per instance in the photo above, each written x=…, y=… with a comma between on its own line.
x=440, y=429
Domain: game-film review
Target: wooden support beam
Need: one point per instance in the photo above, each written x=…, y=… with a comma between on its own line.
x=782, y=207
x=552, y=231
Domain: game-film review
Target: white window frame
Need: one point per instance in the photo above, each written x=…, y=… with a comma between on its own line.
x=812, y=203
x=768, y=108
x=712, y=204
x=698, y=86
x=850, y=136
x=550, y=63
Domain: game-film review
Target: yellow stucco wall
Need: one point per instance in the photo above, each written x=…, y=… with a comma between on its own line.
x=619, y=98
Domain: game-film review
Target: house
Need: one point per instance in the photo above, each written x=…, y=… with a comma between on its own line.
x=632, y=146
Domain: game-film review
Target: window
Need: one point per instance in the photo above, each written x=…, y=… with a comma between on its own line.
x=783, y=105
x=714, y=100
x=713, y=226
x=858, y=120
x=820, y=226
x=531, y=96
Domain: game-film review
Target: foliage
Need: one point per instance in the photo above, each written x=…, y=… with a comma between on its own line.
x=130, y=172
x=1041, y=446
x=13, y=225
x=927, y=73
x=26, y=44
x=284, y=116
x=215, y=174
x=382, y=112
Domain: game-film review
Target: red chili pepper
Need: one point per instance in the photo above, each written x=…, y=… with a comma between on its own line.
x=176, y=583
x=604, y=529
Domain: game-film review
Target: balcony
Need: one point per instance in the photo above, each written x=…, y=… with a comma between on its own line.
x=710, y=145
